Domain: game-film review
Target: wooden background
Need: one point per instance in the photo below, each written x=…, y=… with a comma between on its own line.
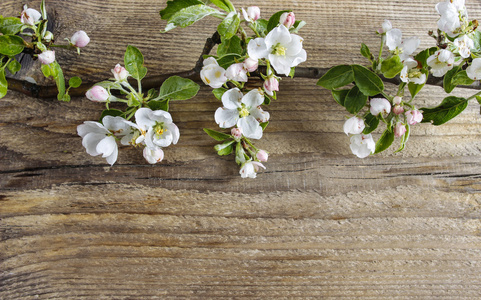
x=318, y=223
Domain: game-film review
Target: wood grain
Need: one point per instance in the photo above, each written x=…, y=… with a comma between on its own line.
x=318, y=223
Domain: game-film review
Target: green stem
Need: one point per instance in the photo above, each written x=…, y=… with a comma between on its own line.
x=250, y=144
x=254, y=29
x=474, y=96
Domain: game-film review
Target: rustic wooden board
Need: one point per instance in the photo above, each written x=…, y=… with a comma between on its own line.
x=317, y=223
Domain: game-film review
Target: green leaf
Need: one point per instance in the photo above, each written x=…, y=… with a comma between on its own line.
x=366, y=52
x=264, y=125
x=134, y=63
x=337, y=77
x=267, y=99
x=224, y=148
x=227, y=60
x=274, y=20
x=478, y=98
x=476, y=37
x=414, y=89
x=11, y=45
x=75, y=82
x=340, y=96
x=43, y=10
x=423, y=56
x=297, y=26
x=367, y=81
x=46, y=70
x=404, y=139
x=448, y=109
x=14, y=66
x=261, y=26
x=175, y=6
x=230, y=46
x=59, y=80
x=178, y=88
x=384, y=141
x=355, y=100
x=10, y=26
x=218, y=92
x=448, y=83
x=461, y=78
x=224, y=4
x=371, y=122
x=110, y=112
x=218, y=136
x=229, y=26
x=391, y=66
x=189, y=15
x=3, y=83
x=159, y=105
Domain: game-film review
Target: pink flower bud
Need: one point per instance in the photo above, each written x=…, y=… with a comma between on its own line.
x=251, y=64
x=120, y=73
x=236, y=72
x=398, y=109
x=97, y=94
x=47, y=57
x=413, y=117
x=379, y=105
x=399, y=129
x=262, y=155
x=287, y=19
x=80, y=39
x=397, y=100
x=252, y=14
x=236, y=133
x=271, y=84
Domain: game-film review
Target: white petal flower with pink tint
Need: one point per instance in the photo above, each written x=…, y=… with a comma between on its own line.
x=271, y=85
x=474, y=69
x=379, y=106
x=453, y=16
x=80, y=39
x=251, y=14
x=251, y=64
x=385, y=27
x=250, y=168
x=153, y=155
x=156, y=127
x=399, y=129
x=262, y=155
x=287, y=19
x=243, y=111
x=354, y=125
x=97, y=94
x=362, y=145
x=236, y=72
x=47, y=57
x=441, y=62
x=212, y=74
x=413, y=117
x=464, y=45
x=30, y=16
x=120, y=73
x=411, y=73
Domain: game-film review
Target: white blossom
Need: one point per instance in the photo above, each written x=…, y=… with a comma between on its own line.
x=385, y=27
x=236, y=72
x=30, y=16
x=252, y=14
x=250, y=168
x=281, y=48
x=80, y=39
x=464, y=45
x=153, y=155
x=243, y=111
x=212, y=74
x=156, y=127
x=413, y=117
x=120, y=73
x=97, y=94
x=474, y=70
x=47, y=57
x=453, y=16
x=404, y=48
x=411, y=73
x=362, y=145
x=379, y=106
x=441, y=62
x=354, y=125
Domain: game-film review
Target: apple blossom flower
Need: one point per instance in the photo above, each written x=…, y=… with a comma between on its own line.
x=97, y=94
x=397, y=100
x=48, y=36
x=212, y=74
x=362, y=145
x=413, y=117
x=153, y=155
x=47, y=57
x=379, y=106
x=287, y=19
x=474, y=69
x=404, y=48
x=262, y=155
x=80, y=39
x=29, y=16
x=385, y=27
x=243, y=111
x=251, y=64
x=120, y=73
x=354, y=125
x=252, y=14
x=281, y=48
x=250, y=168
x=271, y=84
x=236, y=72
x=464, y=45
x=441, y=62
x=399, y=129
x=398, y=109
x=236, y=133
x=411, y=73
x=156, y=127
x=453, y=16
x=98, y=138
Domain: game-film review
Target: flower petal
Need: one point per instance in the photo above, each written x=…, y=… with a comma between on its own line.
x=226, y=118
x=106, y=146
x=250, y=127
x=232, y=98
x=253, y=98
x=257, y=48
x=278, y=35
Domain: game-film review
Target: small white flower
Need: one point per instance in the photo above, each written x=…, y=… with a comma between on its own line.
x=441, y=62
x=100, y=138
x=212, y=74
x=281, y=48
x=120, y=73
x=464, y=45
x=236, y=72
x=252, y=14
x=262, y=155
x=47, y=57
x=399, y=129
x=249, y=169
x=97, y=94
x=385, y=27
x=379, y=106
x=30, y=16
x=474, y=70
x=362, y=145
x=453, y=16
x=404, y=48
x=413, y=117
x=243, y=111
x=156, y=127
x=354, y=125
x=251, y=64
x=153, y=155
x=80, y=39
x=411, y=73
x=271, y=84
x=393, y=39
